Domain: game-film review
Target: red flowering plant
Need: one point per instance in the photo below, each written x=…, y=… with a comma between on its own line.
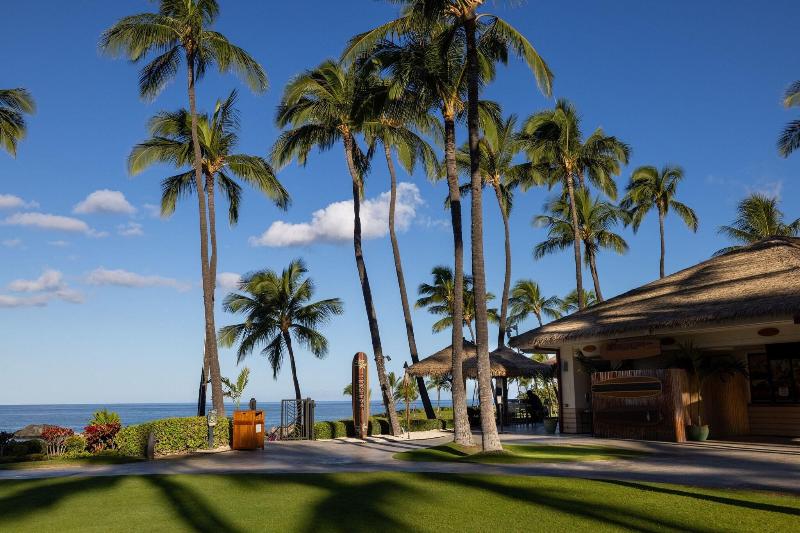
x=55, y=437
x=100, y=437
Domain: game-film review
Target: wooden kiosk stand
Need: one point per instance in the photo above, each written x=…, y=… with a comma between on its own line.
x=248, y=430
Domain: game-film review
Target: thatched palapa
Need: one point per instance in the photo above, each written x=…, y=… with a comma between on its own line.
x=504, y=362
x=761, y=280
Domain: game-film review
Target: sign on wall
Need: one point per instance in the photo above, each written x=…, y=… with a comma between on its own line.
x=628, y=387
x=360, y=395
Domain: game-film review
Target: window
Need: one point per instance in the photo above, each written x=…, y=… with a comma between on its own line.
x=775, y=375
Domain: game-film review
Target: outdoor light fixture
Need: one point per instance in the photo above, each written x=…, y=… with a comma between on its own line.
x=768, y=332
x=212, y=422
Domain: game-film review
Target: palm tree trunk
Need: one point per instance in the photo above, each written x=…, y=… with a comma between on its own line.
x=501, y=334
x=401, y=283
x=576, y=241
x=288, y=339
x=462, y=434
x=212, y=359
x=539, y=319
x=212, y=231
x=595, y=277
x=471, y=331
x=661, y=229
x=372, y=319
x=489, y=436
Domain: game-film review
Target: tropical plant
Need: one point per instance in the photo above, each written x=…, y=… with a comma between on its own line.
x=322, y=107
x=104, y=416
x=348, y=391
x=527, y=299
x=55, y=437
x=439, y=299
x=395, y=129
x=99, y=437
x=650, y=188
x=439, y=383
x=569, y=304
x=235, y=390
x=497, y=150
x=560, y=155
x=277, y=309
x=180, y=32
x=406, y=391
x=702, y=367
x=789, y=139
x=596, y=220
x=14, y=105
x=757, y=217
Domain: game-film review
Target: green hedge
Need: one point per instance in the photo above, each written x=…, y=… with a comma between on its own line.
x=377, y=426
x=173, y=435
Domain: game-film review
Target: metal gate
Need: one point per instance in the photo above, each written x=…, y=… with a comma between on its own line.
x=297, y=419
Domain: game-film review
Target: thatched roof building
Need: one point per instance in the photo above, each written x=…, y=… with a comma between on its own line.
x=761, y=280
x=504, y=362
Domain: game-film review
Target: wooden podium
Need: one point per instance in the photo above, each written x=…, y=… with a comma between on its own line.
x=248, y=430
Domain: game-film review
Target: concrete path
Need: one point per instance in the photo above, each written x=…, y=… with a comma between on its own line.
x=713, y=464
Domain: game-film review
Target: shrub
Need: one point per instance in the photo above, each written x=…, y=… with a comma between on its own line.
x=74, y=444
x=5, y=440
x=26, y=447
x=103, y=417
x=172, y=435
x=55, y=437
x=100, y=437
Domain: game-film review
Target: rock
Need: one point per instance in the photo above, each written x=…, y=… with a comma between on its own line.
x=31, y=431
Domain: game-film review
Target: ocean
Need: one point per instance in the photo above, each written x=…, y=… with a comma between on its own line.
x=76, y=416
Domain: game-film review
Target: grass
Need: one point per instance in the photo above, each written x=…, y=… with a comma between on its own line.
x=517, y=454
x=382, y=502
x=46, y=462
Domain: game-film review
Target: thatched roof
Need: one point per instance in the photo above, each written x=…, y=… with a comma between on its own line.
x=761, y=281
x=504, y=362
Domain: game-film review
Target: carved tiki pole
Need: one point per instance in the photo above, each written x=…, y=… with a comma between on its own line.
x=360, y=394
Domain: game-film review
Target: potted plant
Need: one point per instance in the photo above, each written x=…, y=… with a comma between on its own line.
x=701, y=367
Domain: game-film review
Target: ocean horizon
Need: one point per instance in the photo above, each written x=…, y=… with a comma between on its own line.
x=76, y=416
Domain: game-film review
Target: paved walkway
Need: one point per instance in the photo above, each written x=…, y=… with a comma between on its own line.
x=715, y=464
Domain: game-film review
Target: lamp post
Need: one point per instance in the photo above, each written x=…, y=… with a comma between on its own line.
x=211, y=418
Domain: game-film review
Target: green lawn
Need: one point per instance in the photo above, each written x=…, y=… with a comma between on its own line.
x=45, y=462
x=381, y=502
x=517, y=453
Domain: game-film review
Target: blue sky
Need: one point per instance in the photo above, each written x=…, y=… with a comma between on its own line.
x=118, y=314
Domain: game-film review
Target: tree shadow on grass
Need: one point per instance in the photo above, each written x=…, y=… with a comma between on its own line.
x=36, y=496
x=192, y=508
x=758, y=506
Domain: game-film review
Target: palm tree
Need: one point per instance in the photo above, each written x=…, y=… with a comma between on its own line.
x=789, y=140
x=757, y=217
x=277, y=309
x=439, y=384
x=595, y=218
x=560, y=154
x=527, y=299
x=498, y=148
x=322, y=107
x=171, y=142
x=650, y=188
x=394, y=130
x=180, y=31
x=234, y=390
x=14, y=105
x=570, y=302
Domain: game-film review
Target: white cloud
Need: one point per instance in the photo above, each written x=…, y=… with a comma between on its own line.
x=47, y=221
x=104, y=201
x=228, y=280
x=334, y=223
x=39, y=300
x=153, y=211
x=131, y=229
x=50, y=280
x=123, y=278
x=60, y=244
x=9, y=201
x=11, y=243
x=770, y=189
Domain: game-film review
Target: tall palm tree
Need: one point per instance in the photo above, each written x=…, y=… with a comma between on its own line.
x=498, y=148
x=596, y=219
x=527, y=299
x=14, y=105
x=395, y=130
x=789, y=140
x=560, y=155
x=757, y=217
x=322, y=107
x=439, y=384
x=570, y=302
x=171, y=142
x=277, y=309
x=178, y=32
x=650, y=188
